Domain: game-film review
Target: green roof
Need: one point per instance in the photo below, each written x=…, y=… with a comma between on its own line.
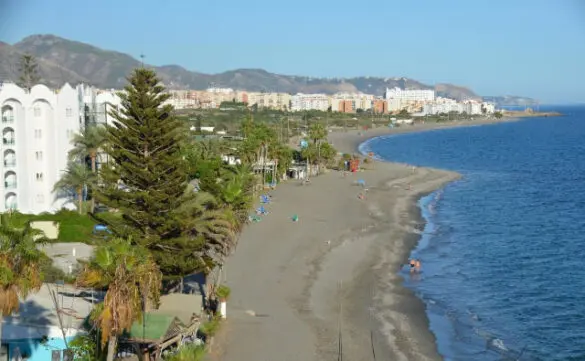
x=155, y=327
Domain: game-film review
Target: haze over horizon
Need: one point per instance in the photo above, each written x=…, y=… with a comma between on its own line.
x=528, y=48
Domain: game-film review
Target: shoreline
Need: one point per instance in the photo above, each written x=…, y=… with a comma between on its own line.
x=296, y=286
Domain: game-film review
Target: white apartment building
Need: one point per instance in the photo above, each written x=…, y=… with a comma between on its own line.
x=37, y=127
x=301, y=102
x=470, y=107
x=360, y=100
x=410, y=95
x=97, y=104
x=279, y=101
x=220, y=90
x=182, y=99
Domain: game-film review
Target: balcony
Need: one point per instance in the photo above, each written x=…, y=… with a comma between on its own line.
x=8, y=141
x=10, y=163
x=7, y=119
x=10, y=185
x=11, y=206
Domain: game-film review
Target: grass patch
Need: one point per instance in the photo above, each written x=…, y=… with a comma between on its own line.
x=73, y=227
x=188, y=353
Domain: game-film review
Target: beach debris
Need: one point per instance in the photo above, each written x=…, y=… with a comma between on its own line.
x=261, y=210
x=254, y=218
x=328, y=242
x=295, y=218
x=251, y=313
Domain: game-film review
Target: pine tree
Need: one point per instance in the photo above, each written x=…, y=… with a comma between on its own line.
x=147, y=178
x=28, y=72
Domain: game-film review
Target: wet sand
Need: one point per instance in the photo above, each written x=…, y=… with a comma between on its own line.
x=298, y=286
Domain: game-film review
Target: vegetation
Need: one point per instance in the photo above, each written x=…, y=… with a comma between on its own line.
x=176, y=207
x=76, y=178
x=210, y=328
x=73, y=227
x=87, y=143
x=131, y=277
x=223, y=292
x=20, y=264
x=147, y=177
x=188, y=353
x=28, y=68
x=84, y=348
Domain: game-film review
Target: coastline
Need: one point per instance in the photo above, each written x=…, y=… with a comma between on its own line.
x=294, y=284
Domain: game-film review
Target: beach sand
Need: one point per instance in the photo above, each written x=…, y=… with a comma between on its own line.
x=295, y=285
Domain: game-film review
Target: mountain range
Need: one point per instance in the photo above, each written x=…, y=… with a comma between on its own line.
x=61, y=60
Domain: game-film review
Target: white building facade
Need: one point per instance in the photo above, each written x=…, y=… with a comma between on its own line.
x=300, y=102
x=410, y=95
x=37, y=128
x=96, y=104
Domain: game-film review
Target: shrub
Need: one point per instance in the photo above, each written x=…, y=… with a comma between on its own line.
x=52, y=274
x=223, y=292
x=209, y=328
x=188, y=353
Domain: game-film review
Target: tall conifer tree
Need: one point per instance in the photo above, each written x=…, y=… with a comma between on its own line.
x=146, y=179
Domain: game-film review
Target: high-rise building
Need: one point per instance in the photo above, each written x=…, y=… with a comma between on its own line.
x=37, y=128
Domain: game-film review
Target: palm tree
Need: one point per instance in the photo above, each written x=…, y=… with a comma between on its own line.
x=317, y=132
x=236, y=192
x=87, y=143
x=76, y=177
x=20, y=264
x=132, y=279
x=205, y=221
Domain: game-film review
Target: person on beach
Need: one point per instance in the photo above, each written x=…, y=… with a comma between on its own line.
x=414, y=265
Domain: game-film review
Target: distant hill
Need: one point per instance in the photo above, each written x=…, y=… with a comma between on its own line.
x=62, y=60
x=510, y=100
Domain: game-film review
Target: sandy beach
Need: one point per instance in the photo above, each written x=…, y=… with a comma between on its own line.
x=298, y=288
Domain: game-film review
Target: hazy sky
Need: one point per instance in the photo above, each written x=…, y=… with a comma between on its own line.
x=523, y=47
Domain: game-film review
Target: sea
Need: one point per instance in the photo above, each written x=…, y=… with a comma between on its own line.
x=503, y=250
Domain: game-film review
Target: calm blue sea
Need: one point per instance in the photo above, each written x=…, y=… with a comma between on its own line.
x=503, y=252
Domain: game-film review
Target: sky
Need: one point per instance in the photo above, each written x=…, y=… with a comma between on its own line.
x=533, y=48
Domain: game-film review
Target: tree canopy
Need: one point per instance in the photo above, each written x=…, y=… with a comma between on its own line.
x=29, y=72
x=146, y=179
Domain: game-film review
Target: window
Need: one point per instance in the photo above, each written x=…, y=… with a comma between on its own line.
x=68, y=112
x=56, y=355
x=40, y=198
x=39, y=155
x=37, y=111
x=38, y=133
x=39, y=177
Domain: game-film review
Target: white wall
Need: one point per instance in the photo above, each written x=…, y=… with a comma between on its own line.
x=43, y=123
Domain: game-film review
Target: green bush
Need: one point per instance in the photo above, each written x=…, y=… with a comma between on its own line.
x=52, y=274
x=209, y=328
x=223, y=292
x=188, y=353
